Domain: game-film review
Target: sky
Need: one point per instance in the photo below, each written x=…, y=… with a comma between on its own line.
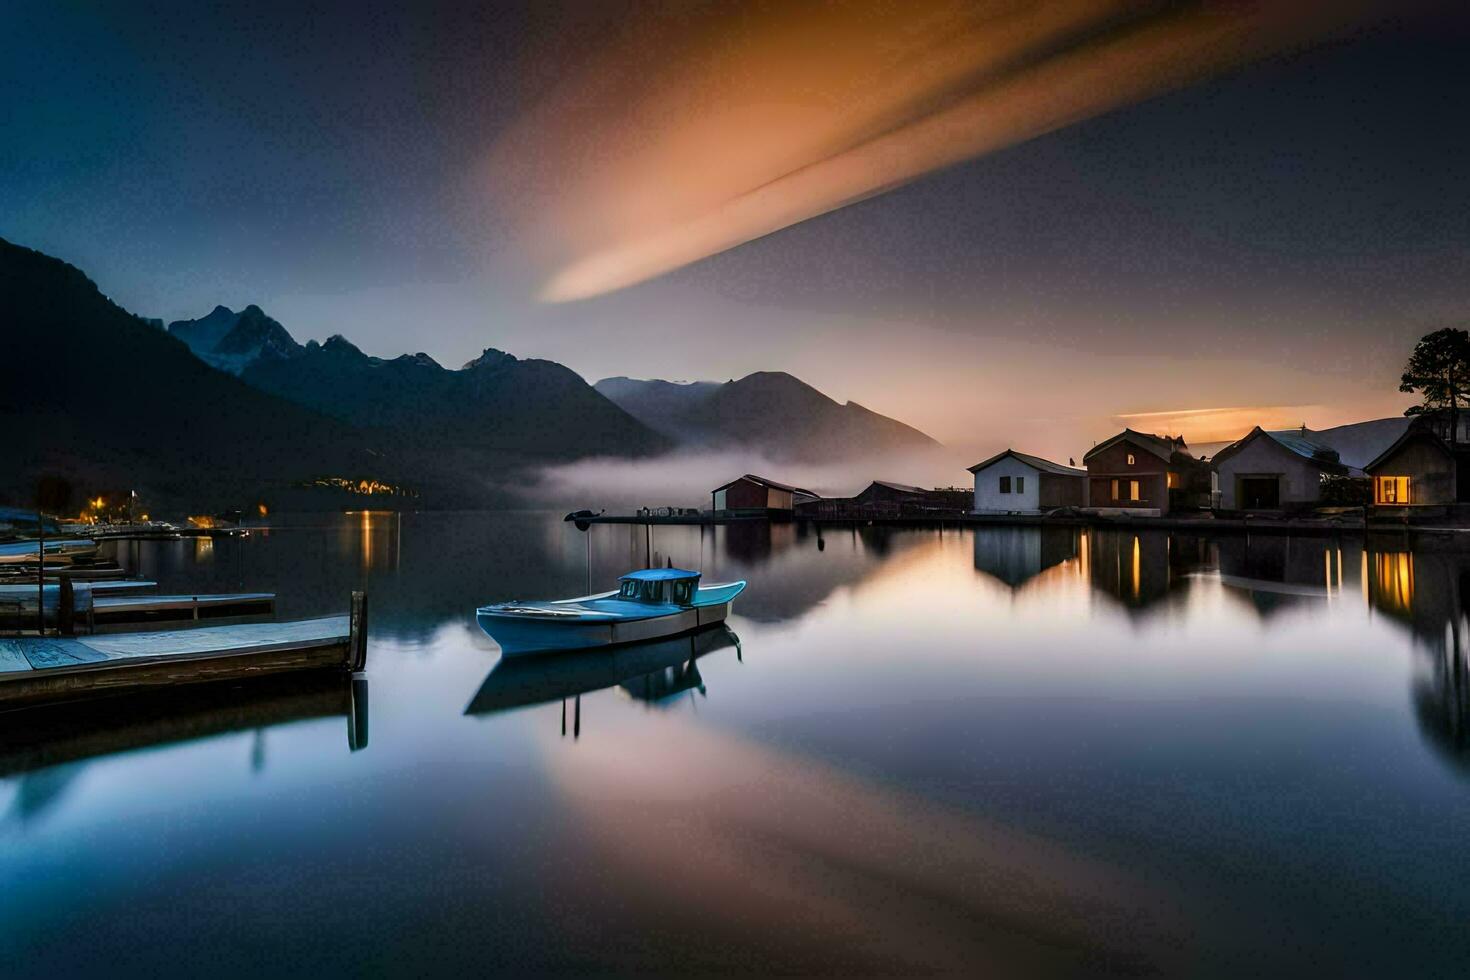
x=1006, y=225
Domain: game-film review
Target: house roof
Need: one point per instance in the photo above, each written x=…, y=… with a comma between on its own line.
x=762, y=481
x=1302, y=442
x=1035, y=462
x=1163, y=447
x=1410, y=434
x=1359, y=443
x=658, y=575
x=900, y=487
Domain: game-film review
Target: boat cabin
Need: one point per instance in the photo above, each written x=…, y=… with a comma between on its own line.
x=660, y=585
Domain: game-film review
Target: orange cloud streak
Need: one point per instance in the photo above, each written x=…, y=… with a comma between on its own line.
x=682, y=140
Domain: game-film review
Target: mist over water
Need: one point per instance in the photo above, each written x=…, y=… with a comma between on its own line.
x=685, y=479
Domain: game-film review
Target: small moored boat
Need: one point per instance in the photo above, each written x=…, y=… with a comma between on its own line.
x=647, y=604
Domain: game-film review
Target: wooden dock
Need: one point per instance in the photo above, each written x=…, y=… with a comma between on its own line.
x=103, y=606
x=45, y=668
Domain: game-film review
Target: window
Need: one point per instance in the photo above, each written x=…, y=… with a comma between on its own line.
x=629, y=590
x=1115, y=490
x=1391, y=489
x=1130, y=459
x=683, y=592
x=1020, y=484
x=1005, y=484
x=1173, y=481
x=1133, y=490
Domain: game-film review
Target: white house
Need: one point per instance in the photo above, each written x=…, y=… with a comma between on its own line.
x=1015, y=483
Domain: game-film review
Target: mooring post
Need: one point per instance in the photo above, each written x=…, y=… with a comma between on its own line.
x=357, y=633
x=65, y=607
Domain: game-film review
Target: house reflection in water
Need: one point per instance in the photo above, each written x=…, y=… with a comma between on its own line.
x=1142, y=568
x=1275, y=573
x=754, y=542
x=1427, y=591
x=1392, y=581
x=1017, y=555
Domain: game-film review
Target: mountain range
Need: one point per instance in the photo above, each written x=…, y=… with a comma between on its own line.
x=496, y=402
x=229, y=408
x=233, y=341
x=774, y=412
x=94, y=398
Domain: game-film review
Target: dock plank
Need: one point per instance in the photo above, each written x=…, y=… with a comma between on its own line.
x=147, y=602
x=219, y=639
x=39, y=669
x=12, y=657
x=45, y=652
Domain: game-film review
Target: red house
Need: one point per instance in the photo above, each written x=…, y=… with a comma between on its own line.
x=1134, y=471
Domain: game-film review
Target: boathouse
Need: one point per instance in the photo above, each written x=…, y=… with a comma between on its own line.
x=1016, y=483
x=1418, y=470
x=755, y=494
x=1275, y=471
x=1133, y=472
x=884, y=499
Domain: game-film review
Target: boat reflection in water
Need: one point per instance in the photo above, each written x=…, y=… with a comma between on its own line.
x=656, y=673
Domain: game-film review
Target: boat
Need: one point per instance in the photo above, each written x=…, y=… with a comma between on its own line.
x=647, y=605
x=63, y=551
x=637, y=668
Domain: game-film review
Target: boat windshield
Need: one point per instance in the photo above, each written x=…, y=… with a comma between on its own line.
x=642, y=591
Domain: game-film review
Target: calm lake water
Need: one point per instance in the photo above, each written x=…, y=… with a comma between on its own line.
x=1011, y=750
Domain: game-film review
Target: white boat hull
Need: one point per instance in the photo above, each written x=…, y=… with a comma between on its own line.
x=519, y=634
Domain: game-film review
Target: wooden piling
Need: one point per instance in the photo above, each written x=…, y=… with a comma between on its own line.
x=357, y=632
x=66, y=606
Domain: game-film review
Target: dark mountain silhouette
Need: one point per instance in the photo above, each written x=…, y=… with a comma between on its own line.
x=664, y=406
x=496, y=403
x=234, y=341
x=770, y=410
x=97, y=398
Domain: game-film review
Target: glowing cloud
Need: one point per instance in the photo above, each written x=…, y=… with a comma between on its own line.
x=686, y=137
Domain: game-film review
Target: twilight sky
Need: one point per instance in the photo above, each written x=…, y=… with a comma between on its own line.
x=1211, y=207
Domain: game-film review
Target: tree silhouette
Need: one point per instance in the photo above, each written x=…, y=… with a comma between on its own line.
x=1439, y=370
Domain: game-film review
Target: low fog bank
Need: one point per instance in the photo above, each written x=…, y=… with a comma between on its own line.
x=685, y=479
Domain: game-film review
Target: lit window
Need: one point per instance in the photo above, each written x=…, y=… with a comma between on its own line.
x=1130, y=459
x=1173, y=481
x=1115, y=490
x=1005, y=484
x=1133, y=490
x=1020, y=484
x=1392, y=489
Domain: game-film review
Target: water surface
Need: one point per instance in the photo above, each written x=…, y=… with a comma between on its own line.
x=929, y=750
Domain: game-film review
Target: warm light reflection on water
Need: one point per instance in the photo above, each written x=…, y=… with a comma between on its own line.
x=1044, y=749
